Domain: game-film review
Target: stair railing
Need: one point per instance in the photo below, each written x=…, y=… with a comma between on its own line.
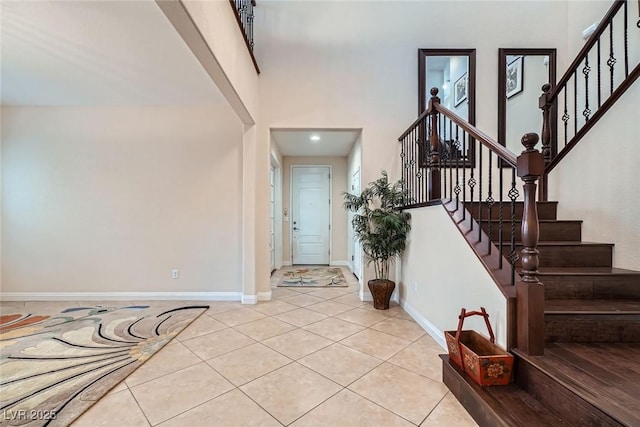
x=446, y=160
x=595, y=80
x=243, y=10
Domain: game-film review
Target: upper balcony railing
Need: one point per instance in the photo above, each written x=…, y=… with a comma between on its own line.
x=243, y=9
x=601, y=72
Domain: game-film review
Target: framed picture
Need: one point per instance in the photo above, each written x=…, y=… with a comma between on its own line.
x=514, y=76
x=460, y=90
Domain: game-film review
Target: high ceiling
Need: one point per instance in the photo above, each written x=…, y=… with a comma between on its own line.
x=329, y=142
x=97, y=53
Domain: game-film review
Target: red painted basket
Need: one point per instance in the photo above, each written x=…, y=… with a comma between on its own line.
x=478, y=356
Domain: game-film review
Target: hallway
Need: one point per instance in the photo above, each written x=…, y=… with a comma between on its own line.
x=309, y=357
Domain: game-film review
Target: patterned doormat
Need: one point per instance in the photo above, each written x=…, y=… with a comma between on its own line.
x=53, y=367
x=313, y=277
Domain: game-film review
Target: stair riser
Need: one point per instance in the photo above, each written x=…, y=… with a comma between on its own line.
x=545, y=210
x=596, y=287
x=571, y=256
x=480, y=412
x=572, y=408
x=550, y=231
x=592, y=327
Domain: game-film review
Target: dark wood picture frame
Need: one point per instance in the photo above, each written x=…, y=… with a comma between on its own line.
x=460, y=90
x=514, y=76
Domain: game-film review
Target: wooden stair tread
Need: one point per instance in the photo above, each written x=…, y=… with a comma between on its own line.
x=568, y=243
x=547, y=221
x=586, y=271
x=498, y=405
x=609, y=381
x=592, y=306
x=518, y=202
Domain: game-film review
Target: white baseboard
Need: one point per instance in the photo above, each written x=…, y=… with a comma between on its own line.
x=339, y=263
x=120, y=296
x=249, y=299
x=264, y=296
x=429, y=327
x=365, y=295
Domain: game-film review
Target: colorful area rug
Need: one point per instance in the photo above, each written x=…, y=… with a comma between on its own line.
x=54, y=367
x=310, y=277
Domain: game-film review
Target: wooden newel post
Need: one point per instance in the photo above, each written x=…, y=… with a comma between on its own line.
x=529, y=291
x=434, y=151
x=545, y=105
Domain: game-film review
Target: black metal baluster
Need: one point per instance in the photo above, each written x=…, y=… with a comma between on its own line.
x=456, y=147
x=490, y=201
x=415, y=161
x=626, y=41
x=599, y=73
x=565, y=118
x=443, y=154
x=404, y=175
x=611, y=62
x=422, y=166
x=464, y=173
x=418, y=167
x=586, y=70
x=408, y=140
x=513, y=256
x=500, y=219
x=452, y=153
x=575, y=102
x=480, y=178
x=472, y=184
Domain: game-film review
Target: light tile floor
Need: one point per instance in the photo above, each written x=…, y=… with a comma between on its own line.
x=309, y=357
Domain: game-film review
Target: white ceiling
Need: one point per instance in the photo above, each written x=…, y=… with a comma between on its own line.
x=97, y=53
x=332, y=142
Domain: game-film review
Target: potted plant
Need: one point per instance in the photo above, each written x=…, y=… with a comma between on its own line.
x=381, y=226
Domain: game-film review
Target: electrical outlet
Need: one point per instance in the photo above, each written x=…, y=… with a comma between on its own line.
x=175, y=274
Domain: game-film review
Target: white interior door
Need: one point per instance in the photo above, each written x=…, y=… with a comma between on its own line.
x=357, y=251
x=310, y=214
x=272, y=218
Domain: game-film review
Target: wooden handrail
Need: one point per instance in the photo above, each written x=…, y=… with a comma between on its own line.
x=484, y=139
x=591, y=42
x=504, y=153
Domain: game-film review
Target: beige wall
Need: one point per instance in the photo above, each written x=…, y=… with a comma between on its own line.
x=338, y=214
x=597, y=180
x=218, y=43
x=112, y=199
x=436, y=284
x=217, y=24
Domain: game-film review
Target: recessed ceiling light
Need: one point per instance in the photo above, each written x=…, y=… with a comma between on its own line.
x=315, y=137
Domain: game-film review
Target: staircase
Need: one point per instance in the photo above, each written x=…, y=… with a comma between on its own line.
x=589, y=374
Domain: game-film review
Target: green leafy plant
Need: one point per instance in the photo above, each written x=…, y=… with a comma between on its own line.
x=379, y=222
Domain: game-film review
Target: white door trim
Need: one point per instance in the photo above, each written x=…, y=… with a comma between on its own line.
x=305, y=165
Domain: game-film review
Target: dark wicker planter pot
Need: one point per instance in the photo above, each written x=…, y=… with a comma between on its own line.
x=381, y=291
